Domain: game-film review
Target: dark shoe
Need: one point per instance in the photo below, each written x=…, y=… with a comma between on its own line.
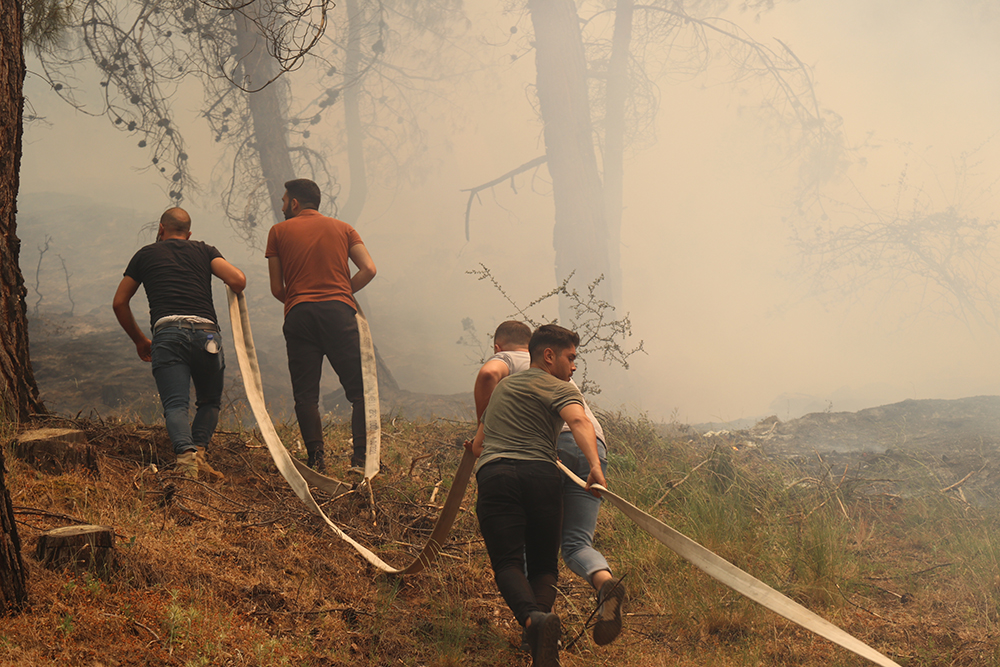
x=609, y=612
x=543, y=639
x=317, y=460
x=526, y=647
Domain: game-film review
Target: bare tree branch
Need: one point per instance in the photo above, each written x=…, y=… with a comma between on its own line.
x=474, y=192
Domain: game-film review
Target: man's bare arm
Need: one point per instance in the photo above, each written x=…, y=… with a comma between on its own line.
x=229, y=274
x=586, y=439
x=487, y=379
x=476, y=444
x=123, y=311
x=277, y=279
x=366, y=266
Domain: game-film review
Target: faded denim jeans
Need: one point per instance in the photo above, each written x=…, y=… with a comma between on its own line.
x=580, y=510
x=180, y=358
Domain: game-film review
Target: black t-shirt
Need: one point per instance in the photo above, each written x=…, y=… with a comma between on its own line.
x=177, y=276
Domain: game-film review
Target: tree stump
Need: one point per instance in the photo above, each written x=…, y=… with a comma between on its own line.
x=55, y=450
x=83, y=548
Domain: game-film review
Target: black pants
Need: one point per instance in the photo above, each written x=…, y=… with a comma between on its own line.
x=313, y=331
x=520, y=511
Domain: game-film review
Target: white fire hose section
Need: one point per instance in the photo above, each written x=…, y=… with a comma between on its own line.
x=369, y=376
x=299, y=476
x=722, y=570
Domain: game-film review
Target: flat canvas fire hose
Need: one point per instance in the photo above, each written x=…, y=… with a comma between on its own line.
x=299, y=476
x=722, y=570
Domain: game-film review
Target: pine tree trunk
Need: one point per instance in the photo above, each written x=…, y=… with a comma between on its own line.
x=18, y=392
x=13, y=590
x=580, y=235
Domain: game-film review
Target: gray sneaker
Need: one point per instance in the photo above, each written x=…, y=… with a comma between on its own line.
x=609, y=612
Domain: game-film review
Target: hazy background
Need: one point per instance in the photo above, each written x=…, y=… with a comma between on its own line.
x=709, y=276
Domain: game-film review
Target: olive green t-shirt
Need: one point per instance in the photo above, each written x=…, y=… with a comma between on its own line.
x=522, y=419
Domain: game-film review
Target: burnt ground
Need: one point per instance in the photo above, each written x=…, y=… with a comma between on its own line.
x=86, y=366
x=955, y=442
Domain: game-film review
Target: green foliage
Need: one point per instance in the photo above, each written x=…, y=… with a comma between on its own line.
x=46, y=23
x=66, y=624
x=180, y=620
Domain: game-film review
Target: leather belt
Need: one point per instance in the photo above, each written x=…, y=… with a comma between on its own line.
x=186, y=325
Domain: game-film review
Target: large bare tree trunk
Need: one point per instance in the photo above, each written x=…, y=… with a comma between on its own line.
x=581, y=235
x=18, y=392
x=267, y=109
x=358, y=195
x=616, y=92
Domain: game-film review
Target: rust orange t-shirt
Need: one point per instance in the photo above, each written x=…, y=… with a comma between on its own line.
x=313, y=250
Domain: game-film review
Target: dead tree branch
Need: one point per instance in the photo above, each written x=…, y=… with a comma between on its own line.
x=474, y=192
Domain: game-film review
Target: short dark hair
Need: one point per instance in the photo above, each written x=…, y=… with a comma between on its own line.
x=551, y=336
x=176, y=220
x=512, y=332
x=305, y=191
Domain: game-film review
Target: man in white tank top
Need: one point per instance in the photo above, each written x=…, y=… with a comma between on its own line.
x=580, y=507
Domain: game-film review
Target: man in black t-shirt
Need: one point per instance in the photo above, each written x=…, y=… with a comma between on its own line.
x=176, y=273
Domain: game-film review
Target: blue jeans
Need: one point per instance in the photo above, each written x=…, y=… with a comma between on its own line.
x=580, y=510
x=179, y=357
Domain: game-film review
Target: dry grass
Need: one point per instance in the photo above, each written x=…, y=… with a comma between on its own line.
x=240, y=574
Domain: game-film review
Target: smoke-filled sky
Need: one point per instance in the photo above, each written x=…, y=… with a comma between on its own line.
x=710, y=279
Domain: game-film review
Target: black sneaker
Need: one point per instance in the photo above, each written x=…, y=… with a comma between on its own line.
x=543, y=639
x=317, y=460
x=609, y=612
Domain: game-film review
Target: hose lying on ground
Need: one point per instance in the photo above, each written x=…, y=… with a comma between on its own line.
x=299, y=476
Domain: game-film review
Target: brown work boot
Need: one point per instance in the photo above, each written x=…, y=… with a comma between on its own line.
x=212, y=474
x=187, y=464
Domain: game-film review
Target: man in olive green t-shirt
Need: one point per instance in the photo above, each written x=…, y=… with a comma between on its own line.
x=520, y=495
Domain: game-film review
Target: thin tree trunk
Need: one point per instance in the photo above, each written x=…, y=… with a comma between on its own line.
x=580, y=235
x=270, y=125
x=616, y=92
x=18, y=392
x=358, y=194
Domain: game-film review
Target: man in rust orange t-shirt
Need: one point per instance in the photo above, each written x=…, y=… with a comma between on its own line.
x=307, y=259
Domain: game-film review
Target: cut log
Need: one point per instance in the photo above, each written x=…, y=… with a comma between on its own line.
x=55, y=450
x=83, y=548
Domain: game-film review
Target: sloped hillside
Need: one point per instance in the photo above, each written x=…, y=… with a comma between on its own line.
x=238, y=573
